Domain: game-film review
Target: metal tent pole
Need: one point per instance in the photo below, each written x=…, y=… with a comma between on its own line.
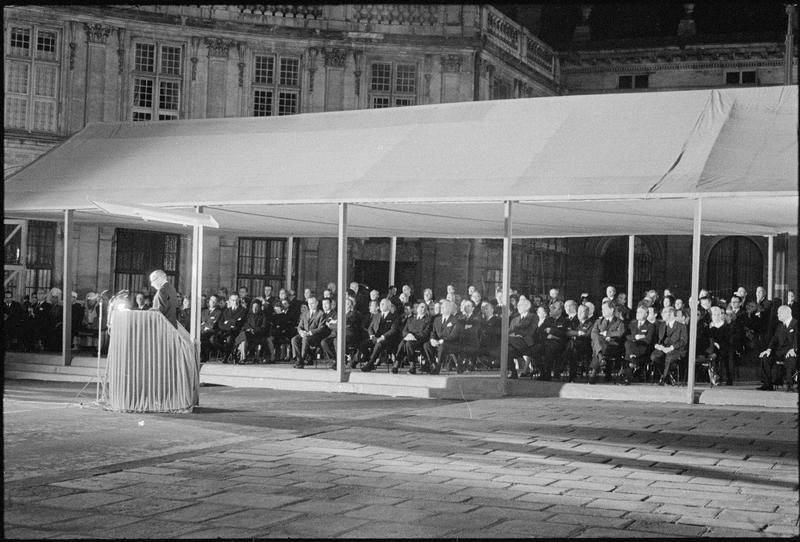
x=289, y=262
x=507, y=232
x=392, y=259
x=770, y=266
x=66, y=329
x=631, y=248
x=341, y=295
x=695, y=320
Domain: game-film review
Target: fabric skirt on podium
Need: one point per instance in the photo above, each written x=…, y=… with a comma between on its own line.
x=152, y=366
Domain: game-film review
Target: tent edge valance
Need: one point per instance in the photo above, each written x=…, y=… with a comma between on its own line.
x=91, y=205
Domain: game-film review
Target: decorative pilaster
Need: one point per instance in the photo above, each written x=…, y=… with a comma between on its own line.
x=427, y=65
x=97, y=33
x=120, y=50
x=241, y=64
x=335, y=57
x=195, y=45
x=313, y=53
x=219, y=47
x=357, y=72
x=452, y=63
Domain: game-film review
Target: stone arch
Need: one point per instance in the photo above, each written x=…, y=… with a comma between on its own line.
x=649, y=260
x=746, y=265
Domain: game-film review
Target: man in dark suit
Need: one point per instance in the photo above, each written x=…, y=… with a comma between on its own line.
x=444, y=338
x=470, y=336
x=672, y=343
x=737, y=318
x=384, y=333
x=793, y=304
x=166, y=299
x=579, y=337
x=520, y=334
x=311, y=329
x=354, y=331
x=638, y=344
x=269, y=300
x=416, y=331
x=13, y=315
x=608, y=333
x=782, y=348
x=209, y=325
x=229, y=325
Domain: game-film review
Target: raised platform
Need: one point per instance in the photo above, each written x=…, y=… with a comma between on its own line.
x=481, y=385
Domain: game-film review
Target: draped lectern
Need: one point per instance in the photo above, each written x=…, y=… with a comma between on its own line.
x=152, y=366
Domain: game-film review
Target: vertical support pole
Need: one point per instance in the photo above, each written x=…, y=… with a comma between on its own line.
x=289, y=262
x=197, y=280
x=507, y=231
x=770, y=266
x=698, y=217
x=392, y=259
x=66, y=329
x=341, y=295
x=631, y=254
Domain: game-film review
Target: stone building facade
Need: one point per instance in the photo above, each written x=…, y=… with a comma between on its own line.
x=67, y=66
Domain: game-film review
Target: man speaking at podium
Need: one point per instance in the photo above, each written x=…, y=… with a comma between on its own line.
x=166, y=299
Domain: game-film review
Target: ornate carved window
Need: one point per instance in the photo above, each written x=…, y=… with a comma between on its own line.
x=32, y=71
x=40, y=257
x=501, y=89
x=634, y=81
x=276, y=92
x=746, y=77
x=139, y=253
x=157, y=81
x=262, y=261
x=392, y=84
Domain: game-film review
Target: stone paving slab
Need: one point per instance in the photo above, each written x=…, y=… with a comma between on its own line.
x=311, y=465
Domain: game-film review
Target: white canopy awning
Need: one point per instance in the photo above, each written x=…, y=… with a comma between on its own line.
x=609, y=164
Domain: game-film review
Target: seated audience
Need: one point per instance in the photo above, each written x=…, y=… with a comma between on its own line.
x=638, y=344
x=415, y=333
x=311, y=329
x=383, y=335
x=579, y=341
x=354, y=332
x=717, y=346
x=520, y=335
x=672, y=344
x=781, y=349
x=607, y=342
x=444, y=338
x=279, y=340
x=469, y=340
x=252, y=337
x=228, y=326
x=209, y=326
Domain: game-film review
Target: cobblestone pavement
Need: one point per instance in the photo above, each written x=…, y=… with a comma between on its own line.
x=266, y=463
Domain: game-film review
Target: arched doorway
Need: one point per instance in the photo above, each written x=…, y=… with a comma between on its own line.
x=615, y=266
x=734, y=262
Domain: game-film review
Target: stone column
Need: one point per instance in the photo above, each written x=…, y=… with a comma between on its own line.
x=96, y=38
x=451, y=72
x=217, y=75
x=335, y=62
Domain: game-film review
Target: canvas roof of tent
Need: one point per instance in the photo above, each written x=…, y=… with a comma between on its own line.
x=611, y=164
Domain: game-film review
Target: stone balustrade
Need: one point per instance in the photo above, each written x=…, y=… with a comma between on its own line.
x=505, y=34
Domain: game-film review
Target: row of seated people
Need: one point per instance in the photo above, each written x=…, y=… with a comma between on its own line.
x=618, y=348
x=385, y=329
x=36, y=324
